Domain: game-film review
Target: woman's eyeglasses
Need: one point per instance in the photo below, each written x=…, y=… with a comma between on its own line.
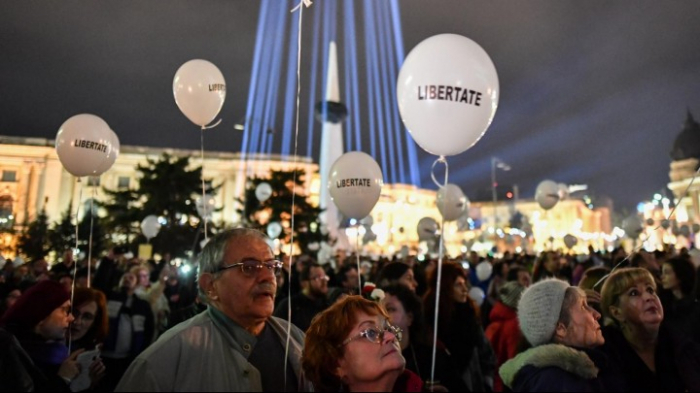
x=376, y=334
x=251, y=267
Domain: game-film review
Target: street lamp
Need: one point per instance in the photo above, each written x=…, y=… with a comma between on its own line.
x=496, y=163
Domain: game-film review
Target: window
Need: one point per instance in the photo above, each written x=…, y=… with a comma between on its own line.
x=123, y=182
x=93, y=181
x=6, y=216
x=9, y=176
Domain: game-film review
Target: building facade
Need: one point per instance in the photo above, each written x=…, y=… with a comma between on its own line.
x=32, y=179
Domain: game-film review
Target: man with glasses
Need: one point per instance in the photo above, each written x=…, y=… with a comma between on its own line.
x=236, y=345
x=310, y=301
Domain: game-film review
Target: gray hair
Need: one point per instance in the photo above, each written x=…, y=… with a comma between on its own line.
x=571, y=297
x=213, y=253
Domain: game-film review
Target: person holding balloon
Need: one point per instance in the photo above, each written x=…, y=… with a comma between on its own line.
x=472, y=359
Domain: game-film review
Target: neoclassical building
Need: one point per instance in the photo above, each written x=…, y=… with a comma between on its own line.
x=32, y=179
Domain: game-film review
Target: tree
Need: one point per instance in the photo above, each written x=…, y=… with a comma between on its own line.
x=168, y=189
x=122, y=213
x=278, y=208
x=91, y=223
x=34, y=241
x=62, y=236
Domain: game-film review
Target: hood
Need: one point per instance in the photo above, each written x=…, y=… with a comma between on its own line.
x=501, y=312
x=549, y=355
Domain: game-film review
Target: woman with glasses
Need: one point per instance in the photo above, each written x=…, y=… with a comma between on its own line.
x=89, y=328
x=351, y=346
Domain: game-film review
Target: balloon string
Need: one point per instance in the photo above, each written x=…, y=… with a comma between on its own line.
x=357, y=251
x=212, y=125
x=204, y=201
x=641, y=244
x=92, y=219
x=307, y=3
x=75, y=265
x=441, y=160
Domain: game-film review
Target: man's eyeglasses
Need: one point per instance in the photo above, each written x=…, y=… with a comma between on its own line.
x=320, y=278
x=251, y=267
x=376, y=334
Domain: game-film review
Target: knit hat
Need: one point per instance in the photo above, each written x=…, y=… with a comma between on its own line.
x=539, y=310
x=37, y=303
x=510, y=292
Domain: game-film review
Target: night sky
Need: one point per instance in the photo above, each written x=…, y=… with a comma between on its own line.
x=591, y=92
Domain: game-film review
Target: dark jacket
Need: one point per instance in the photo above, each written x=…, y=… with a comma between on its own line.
x=18, y=373
x=304, y=309
x=471, y=355
x=142, y=322
x=677, y=362
x=558, y=368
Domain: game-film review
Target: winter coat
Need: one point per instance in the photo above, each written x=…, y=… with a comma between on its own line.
x=558, y=368
x=677, y=361
x=504, y=335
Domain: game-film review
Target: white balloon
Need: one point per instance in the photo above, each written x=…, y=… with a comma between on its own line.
x=633, y=226
x=563, y=191
x=477, y=294
x=570, y=240
x=547, y=194
x=84, y=144
x=355, y=184
x=150, y=226
x=274, y=229
x=451, y=202
x=484, y=270
x=205, y=207
x=447, y=93
x=113, y=154
x=199, y=89
x=314, y=246
x=427, y=228
x=263, y=191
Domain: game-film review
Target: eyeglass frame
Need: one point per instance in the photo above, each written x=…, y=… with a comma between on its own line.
x=323, y=277
x=274, y=265
x=395, y=330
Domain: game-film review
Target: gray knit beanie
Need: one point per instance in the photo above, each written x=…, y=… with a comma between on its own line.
x=539, y=310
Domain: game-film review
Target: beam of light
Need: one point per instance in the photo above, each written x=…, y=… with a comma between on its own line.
x=254, y=74
x=327, y=22
x=290, y=96
x=376, y=88
x=400, y=55
x=313, y=77
x=258, y=101
x=269, y=100
x=352, y=82
x=391, y=70
x=386, y=88
x=347, y=70
x=370, y=98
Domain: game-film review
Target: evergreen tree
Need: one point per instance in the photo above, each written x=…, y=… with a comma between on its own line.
x=62, y=235
x=34, y=241
x=278, y=208
x=123, y=213
x=91, y=222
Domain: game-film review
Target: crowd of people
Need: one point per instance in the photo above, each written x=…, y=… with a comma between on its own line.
x=603, y=321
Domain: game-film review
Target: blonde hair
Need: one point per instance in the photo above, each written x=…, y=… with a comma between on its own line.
x=617, y=283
